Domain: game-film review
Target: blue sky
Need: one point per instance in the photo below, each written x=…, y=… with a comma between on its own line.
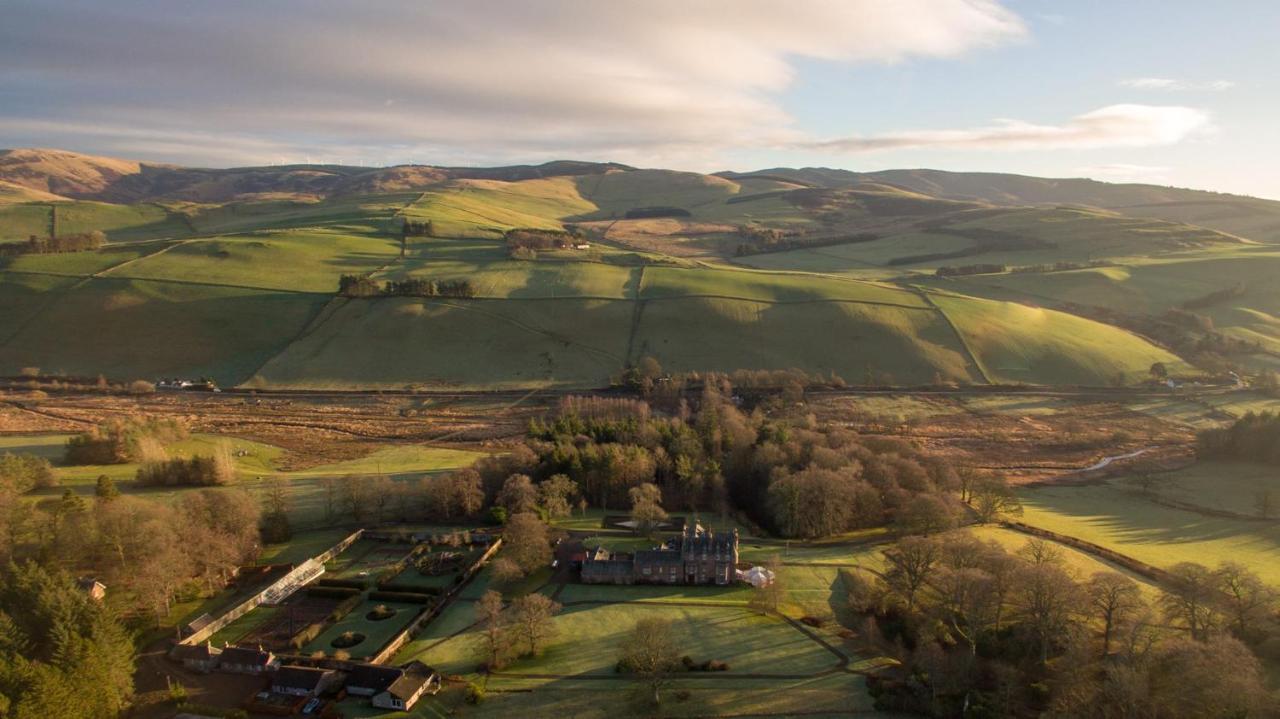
x=1174, y=92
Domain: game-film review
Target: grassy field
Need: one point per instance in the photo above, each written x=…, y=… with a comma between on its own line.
x=1017, y=343
x=376, y=633
x=314, y=259
x=130, y=329
x=243, y=300
x=1113, y=517
x=1221, y=486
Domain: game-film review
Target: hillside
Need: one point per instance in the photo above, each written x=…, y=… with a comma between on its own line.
x=701, y=272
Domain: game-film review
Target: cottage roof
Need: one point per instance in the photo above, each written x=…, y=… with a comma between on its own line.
x=246, y=655
x=373, y=677
x=304, y=678
x=415, y=676
x=194, y=652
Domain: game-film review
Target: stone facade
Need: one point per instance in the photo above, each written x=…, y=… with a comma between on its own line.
x=698, y=556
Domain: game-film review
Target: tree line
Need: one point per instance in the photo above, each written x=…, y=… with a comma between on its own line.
x=1255, y=437
x=980, y=631
x=80, y=242
x=362, y=286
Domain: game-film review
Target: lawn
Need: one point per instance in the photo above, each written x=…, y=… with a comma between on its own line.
x=1162, y=536
x=376, y=633
x=303, y=546
x=589, y=636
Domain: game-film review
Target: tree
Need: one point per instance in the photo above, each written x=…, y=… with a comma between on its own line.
x=355, y=496
x=646, y=507
x=526, y=542
x=495, y=637
x=1191, y=599
x=911, y=562
x=993, y=497
x=1266, y=504
x=532, y=619
x=1159, y=371
x=651, y=652
x=276, y=526
x=1113, y=599
x=1248, y=600
x=518, y=494
x=1214, y=678
x=1047, y=600
x=105, y=489
x=555, y=495
x=62, y=654
x=925, y=514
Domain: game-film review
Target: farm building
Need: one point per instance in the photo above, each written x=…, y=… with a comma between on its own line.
x=302, y=681
x=697, y=556
x=247, y=660
x=198, y=657
x=370, y=679
x=404, y=692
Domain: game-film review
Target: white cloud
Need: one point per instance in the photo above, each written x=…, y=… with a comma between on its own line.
x=478, y=80
x=1111, y=126
x=1169, y=84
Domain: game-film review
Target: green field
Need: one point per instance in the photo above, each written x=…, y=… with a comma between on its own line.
x=1113, y=517
x=1017, y=343
x=245, y=294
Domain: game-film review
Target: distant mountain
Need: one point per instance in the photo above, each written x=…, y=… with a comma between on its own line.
x=28, y=175
x=1238, y=214
x=88, y=177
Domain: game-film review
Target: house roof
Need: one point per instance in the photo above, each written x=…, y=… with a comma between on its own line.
x=194, y=652
x=416, y=675
x=245, y=655
x=658, y=556
x=306, y=678
x=371, y=676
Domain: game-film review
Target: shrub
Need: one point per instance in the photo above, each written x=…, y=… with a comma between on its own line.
x=475, y=693
x=347, y=639
x=380, y=613
x=141, y=386
x=332, y=592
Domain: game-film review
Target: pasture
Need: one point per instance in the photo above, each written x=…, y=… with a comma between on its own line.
x=1126, y=522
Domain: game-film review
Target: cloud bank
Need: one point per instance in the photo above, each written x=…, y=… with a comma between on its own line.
x=245, y=80
x=1111, y=126
x=1169, y=84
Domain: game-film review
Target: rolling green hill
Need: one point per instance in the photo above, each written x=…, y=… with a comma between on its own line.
x=234, y=273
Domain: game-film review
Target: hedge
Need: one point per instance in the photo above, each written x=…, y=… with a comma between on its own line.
x=409, y=597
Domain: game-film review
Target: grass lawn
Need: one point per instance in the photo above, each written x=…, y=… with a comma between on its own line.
x=589, y=636
x=1127, y=523
x=377, y=633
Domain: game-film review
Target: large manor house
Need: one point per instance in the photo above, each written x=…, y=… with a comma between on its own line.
x=698, y=556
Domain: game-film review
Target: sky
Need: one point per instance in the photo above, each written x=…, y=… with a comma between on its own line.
x=1178, y=92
